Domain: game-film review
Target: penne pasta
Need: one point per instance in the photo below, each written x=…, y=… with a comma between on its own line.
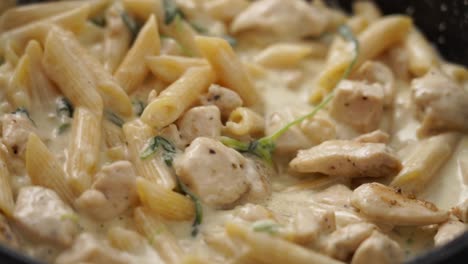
x=84, y=149
x=421, y=55
x=113, y=135
x=17, y=91
x=423, y=161
x=158, y=235
x=228, y=68
x=178, y=97
x=143, y=9
x=284, y=55
x=170, y=68
x=44, y=170
x=68, y=70
x=183, y=33
x=7, y=203
x=244, y=121
x=164, y=202
x=132, y=71
x=269, y=249
x=153, y=169
x=73, y=20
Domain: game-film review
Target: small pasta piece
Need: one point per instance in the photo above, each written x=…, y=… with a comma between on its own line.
x=113, y=135
x=84, y=149
x=17, y=91
x=7, y=203
x=269, y=249
x=143, y=9
x=132, y=71
x=154, y=169
x=68, y=70
x=170, y=68
x=374, y=40
x=283, y=55
x=158, y=235
x=423, y=161
x=421, y=55
x=183, y=33
x=367, y=10
x=166, y=203
x=124, y=239
x=45, y=170
x=228, y=68
x=178, y=97
x=73, y=20
x=244, y=121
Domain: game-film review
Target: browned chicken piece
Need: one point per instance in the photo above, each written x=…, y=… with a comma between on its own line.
x=377, y=136
x=7, y=237
x=461, y=211
x=311, y=226
x=274, y=17
x=16, y=128
x=200, y=121
x=358, y=105
x=377, y=72
x=44, y=216
x=378, y=248
x=112, y=193
x=216, y=173
x=346, y=158
x=226, y=100
x=442, y=104
x=89, y=249
x=342, y=243
x=386, y=205
x=448, y=231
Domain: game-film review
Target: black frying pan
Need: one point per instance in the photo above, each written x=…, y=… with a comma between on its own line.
x=445, y=23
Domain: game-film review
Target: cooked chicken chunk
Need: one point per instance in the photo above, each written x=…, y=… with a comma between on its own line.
x=16, y=128
x=201, y=121
x=226, y=100
x=377, y=72
x=7, y=237
x=274, y=17
x=88, y=249
x=41, y=212
x=253, y=212
x=358, y=105
x=347, y=158
x=448, y=231
x=112, y=193
x=311, y=225
x=461, y=211
x=378, y=248
x=442, y=104
x=342, y=243
x=376, y=136
x=213, y=171
x=258, y=176
x=386, y=205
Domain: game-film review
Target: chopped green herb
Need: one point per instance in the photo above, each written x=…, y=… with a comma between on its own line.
x=171, y=11
x=230, y=39
x=266, y=226
x=168, y=150
x=2, y=60
x=264, y=147
x=198, y=207
x=23, y=111
x=409, y=241
x=63, y=127
x=64, y=107
x=131, y=24
x=138, y=107
x=72, y=217
x=114, y=118
x=198, y=28
x=99, y=21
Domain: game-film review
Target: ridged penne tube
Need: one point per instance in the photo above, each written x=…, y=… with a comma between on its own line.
x=228, y=68
x=283, y=55
x=113, y=135
x=267, y=248
x=7, y=203
x=153, y=168
x=68, y=70
x=374, y=40
x=22, y=15
x=184, y=34
x=421, y=55
x=73, y=20
x=166, y=203
x=45, y=170
x=83, y=149
x=132, y=71
x=42, y=91
x=178, y=97
x=117, y=38
x=17, y=90
x=170, y=68
x=143, y=9
x=244, y=121
x=158, y=235
x=424, y=160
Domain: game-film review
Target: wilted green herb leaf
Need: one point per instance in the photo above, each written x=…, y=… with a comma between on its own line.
x=171, y=11
x=131, y=24
x=168, y=150
x=23, y=111
x=114, y=118
x=198, y=207
x=99, y=21
x=64, y=107
x=63, y=127
x=266, y=226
